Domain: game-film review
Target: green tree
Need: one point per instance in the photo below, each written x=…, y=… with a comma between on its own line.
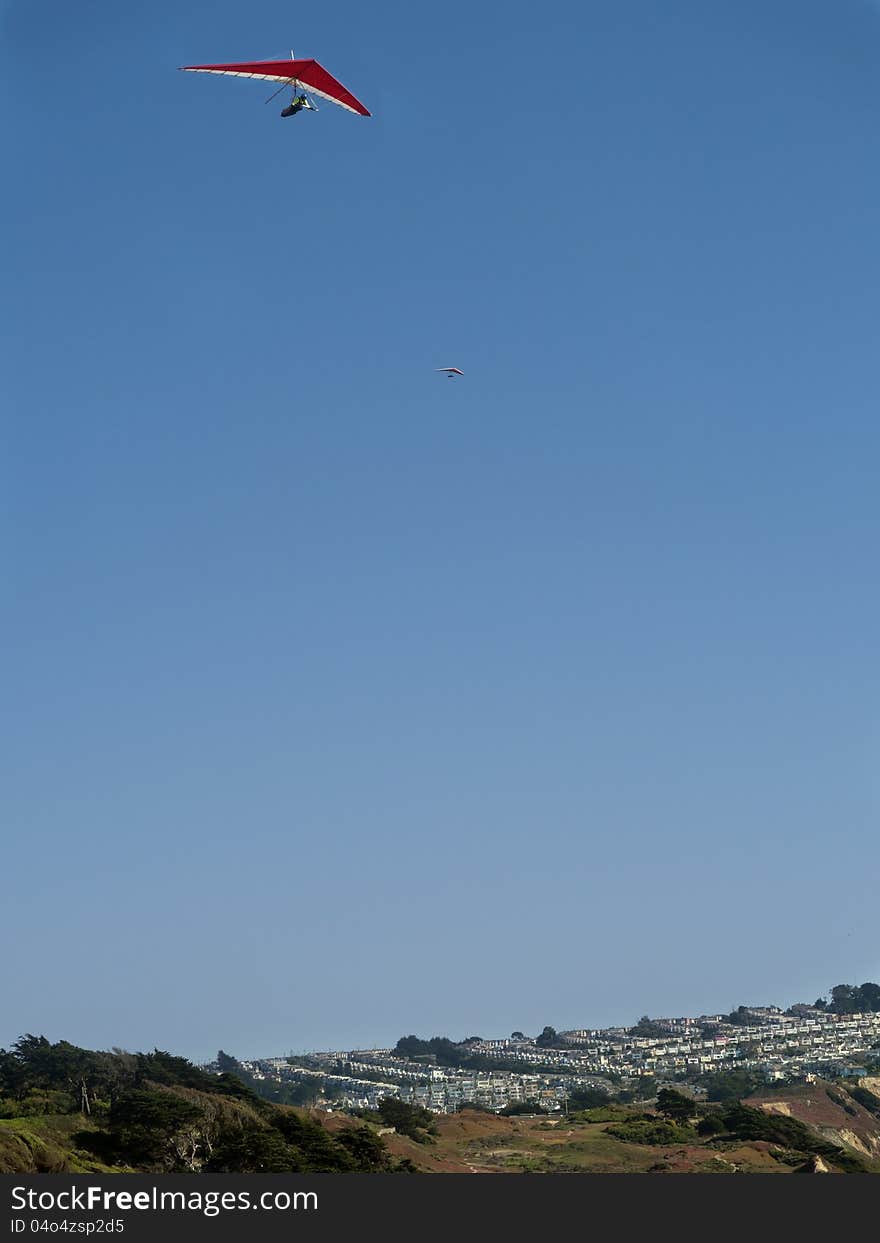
x=316, y=1150
x=731, y=1085
x=252, y=1150
x=366, y=1149
x=648, y=1028
x=740, y=1017
x=411, y=1120
x=13, y=1076
x=587, y=1098
x=675, y=1105
x=843, y=999
x=521, y=1107
x=868, y=998
x=711, y=1124
x=147, y=1128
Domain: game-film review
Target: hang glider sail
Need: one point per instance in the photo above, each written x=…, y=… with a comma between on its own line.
x=449, y=371
x=308, y=74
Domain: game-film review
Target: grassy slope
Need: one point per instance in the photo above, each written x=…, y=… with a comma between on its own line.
x=44, y=1145
x=475, y=1142
x=485, y=1143
x=533, y=1145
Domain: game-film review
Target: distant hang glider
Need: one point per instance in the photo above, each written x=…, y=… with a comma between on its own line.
x=449, y=371
x=306, y=73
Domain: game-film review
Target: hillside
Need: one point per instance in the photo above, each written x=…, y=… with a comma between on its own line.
x=802, y=1128
x=70, y=1110
x=849, y=1116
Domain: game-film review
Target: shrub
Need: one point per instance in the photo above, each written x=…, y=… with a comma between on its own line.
x=656, y=1132
x=711, y=1124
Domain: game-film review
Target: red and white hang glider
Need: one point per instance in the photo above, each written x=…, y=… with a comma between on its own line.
x=449, y=371
x=305, y=73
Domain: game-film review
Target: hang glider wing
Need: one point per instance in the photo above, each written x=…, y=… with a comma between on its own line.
x=309, y=73
x=449, y=370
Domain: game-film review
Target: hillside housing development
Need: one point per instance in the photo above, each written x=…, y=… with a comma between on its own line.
x=547, y=1070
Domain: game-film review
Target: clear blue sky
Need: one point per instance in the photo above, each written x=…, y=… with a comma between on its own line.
x=342, y=701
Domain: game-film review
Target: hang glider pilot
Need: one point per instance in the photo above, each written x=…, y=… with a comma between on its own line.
x=296, y=105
